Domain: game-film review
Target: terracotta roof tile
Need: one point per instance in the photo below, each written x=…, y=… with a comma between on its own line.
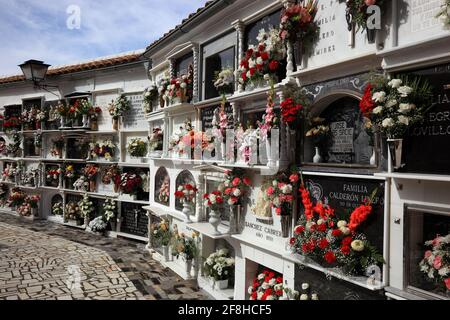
x=83, y=66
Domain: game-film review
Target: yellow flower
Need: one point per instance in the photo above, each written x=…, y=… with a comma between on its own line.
x=358, y=245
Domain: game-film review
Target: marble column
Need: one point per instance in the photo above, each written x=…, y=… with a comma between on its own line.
x=196, y=57
x=240, y=29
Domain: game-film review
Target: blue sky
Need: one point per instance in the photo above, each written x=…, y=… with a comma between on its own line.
x=37, y=29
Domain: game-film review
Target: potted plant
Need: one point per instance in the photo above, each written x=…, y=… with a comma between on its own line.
x=117, y=109
x=110, y=212
x=33, y=201
x=163, y=235
x=186, y=193
x=137, y=148
x=436, y=262
x=219, y=266
x=129, y=183
x=98, y=225
x=16, y=198
x=319, y=132
x=393, y=106
x=214, y=202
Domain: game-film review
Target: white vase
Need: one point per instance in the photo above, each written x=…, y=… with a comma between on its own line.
x=214, y=220
x=34, y=212
x=317, y=158
x=395, y=149
x=85, y=121
x=222, y=284
x=187, y=209
x=63, y=121
x=270, y=161
x=223, y=149
x=188, y=267
x=373, y=159
x=165, y=250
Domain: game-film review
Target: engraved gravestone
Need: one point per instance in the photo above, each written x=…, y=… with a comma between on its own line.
x=135, y=116
x=134, y=220
x=207, y=115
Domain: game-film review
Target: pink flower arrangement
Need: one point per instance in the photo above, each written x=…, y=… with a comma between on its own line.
x=270, y=119
x=436, y=262
x=279, y=192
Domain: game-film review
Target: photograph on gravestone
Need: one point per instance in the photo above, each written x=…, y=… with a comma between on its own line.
x=424, y=146
x=135, y=116
x=348, y=141
x=162, y=187
x=344, y=195
x=134, y=220
x=185, y=177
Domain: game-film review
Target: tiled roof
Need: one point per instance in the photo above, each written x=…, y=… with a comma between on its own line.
x=200, y=10
x=98, y=63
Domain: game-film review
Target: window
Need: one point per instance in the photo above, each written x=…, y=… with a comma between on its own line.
x=218, y=55
x=251, y=32
x=182, y=65
x=215, y=64
x=425, y=225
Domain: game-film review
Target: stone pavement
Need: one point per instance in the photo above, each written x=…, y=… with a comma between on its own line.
x=45, y=260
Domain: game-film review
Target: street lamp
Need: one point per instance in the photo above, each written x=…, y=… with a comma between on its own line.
x=35, y=70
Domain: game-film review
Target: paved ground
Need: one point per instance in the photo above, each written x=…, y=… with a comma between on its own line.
x=44, y=260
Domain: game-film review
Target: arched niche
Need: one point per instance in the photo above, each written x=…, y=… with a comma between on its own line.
x=162, y=187
x=348, y=142
x=57, y=198
x=185, y=177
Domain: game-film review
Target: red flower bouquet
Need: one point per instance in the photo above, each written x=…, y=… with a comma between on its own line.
x=236, y=187
x=279, y=191
x=333, y=242
x=129, y=183
x=297, y=22
x=266, y=286
x=186, y=193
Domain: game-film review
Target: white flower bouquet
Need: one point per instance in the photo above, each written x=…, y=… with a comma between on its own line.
x=219, y=265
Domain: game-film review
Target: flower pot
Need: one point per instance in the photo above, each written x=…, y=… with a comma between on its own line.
x=371, y=35
x=85, y=121
x=395, y=149
x=165, y=250
x=116, y=124
x=317, y=158
x=113, y=225
x=188, y=267
x=222, y=284
x=285, y=225
x=34, y=212
x=214, y=220
x=373, y=158
x=212, y=282
x=187, y=209
x=235, y=218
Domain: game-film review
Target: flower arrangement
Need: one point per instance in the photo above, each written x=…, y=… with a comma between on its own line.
x=186, y=193
x=102, y=149
x=395, y=105
x=266, y=286
x=236, y=186
x=129, y=183
x=357, y=12
x=319, y=130
x=69, y=172
x=9, y=173
x=62, y=110
x=85, y=108
x=219, y=265
x=163, y=84
x=155, y=141
x=57, y=147
x=29, y=203
x=444, y=13
x=86, y=206
x=263, y=61
x=91, y=171
x=436, y=261
x=220, y=121
x=52, y=176
x=184, y=246
x=224, y=81
x=164, y=191
x=294, y=106
x=213, y=200
x=13, y=149
x=30, y=177
x=118, y=107
x=30, y=118
x=3, y=148
x=297, y=23
x=72, y=211
x=58, y=209
x=303, y=295
x=161, y=233
x=137, y=148
x=328, y=240
x=270, y=119
x=16, y=198
x=109, y=209
x=12, y=123
x=94, y=113
x=150, y=95
x=98, y=225
x=81, y=184
x=181, y=88
x=109, y=173
x=247, y=141
x=280, y=192
x=186, y=139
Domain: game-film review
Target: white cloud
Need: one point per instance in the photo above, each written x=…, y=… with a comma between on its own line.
x=37, y=29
